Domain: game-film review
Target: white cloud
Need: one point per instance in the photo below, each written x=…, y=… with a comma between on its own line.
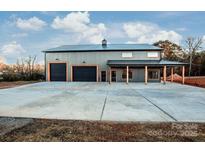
x=12, y=49
x=72, y=22
x=203, y=38
x=141, y=32
x=78, y=23
x=138, y=29
x=33, y=23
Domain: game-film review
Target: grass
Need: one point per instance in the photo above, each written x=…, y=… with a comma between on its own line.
x=74, y=130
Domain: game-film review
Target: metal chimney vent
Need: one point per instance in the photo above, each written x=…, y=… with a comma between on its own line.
x=104, y=43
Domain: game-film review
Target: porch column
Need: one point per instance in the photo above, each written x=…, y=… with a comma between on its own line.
x=183, y=74
x=127, y=75
x=110, y=75
x=165, y=74
x=71, y=73
x=145, y=75
x=97, y=73
x=172, y=74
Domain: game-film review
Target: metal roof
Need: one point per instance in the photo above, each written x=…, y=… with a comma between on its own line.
x=143, y=63
x=99, y=47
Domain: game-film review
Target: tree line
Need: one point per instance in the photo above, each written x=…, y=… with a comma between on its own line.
x=192, y=53
x=24, y=69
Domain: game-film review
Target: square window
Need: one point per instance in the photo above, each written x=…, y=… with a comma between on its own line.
x=152, y=54
x=127, y=54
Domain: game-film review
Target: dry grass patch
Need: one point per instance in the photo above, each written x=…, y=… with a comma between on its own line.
x=4, y=85
x=69, y=130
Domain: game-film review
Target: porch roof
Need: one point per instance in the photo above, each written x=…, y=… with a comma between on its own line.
x=138, y=63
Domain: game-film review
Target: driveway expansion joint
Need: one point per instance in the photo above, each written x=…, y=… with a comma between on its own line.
x=157, y=106
x=105, y=101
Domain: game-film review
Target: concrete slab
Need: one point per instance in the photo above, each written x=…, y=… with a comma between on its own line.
x=55, y=100
x=182, y=102
x=125, y=104
x=101, y=101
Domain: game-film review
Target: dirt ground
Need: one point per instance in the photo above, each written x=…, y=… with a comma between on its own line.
x=195, y=81
x=74, y=131
x=198, y=81
x=4, y=85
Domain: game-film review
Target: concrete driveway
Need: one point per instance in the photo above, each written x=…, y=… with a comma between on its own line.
x=101, y=101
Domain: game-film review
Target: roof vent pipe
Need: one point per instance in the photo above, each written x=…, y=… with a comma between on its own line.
x=104, y=43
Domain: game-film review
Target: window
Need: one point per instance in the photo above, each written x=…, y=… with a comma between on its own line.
x=152, y=54
x=153, y=74
x=127, y=54
x=124, y=74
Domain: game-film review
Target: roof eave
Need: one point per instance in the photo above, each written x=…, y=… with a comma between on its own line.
x=50, y=51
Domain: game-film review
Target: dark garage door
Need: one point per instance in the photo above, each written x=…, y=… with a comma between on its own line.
x=84, y=73
x=58, y=72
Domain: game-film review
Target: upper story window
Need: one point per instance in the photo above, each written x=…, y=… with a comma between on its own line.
x=127, y=54
x=152, y=54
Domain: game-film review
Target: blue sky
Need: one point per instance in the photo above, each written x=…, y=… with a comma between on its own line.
x=28, y=33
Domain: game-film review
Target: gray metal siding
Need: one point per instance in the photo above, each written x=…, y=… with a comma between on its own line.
x=93, y=58
x=139, y=75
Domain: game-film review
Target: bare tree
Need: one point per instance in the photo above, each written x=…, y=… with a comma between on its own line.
x=33, y=64
x=30, y=64
x=193, y=45
x=18, y=66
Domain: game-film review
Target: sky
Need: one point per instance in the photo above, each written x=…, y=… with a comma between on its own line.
x=24, y=34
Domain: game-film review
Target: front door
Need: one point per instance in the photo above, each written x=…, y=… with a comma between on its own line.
x=103, y=76
x=113, y=75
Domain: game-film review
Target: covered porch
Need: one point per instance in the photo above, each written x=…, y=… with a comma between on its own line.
x=152, y=70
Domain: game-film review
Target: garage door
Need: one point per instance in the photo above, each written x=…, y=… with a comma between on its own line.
x=58, y=72
x=84, y=73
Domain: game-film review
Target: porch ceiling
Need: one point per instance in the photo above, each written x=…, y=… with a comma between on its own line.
x=141, y=63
